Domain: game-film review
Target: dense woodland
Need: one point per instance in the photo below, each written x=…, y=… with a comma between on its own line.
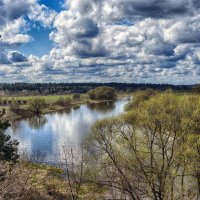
x=60, y=88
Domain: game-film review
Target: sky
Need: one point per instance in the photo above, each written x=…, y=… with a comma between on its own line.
x=141, y=41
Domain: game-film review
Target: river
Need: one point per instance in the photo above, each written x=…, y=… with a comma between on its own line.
x=48, y=132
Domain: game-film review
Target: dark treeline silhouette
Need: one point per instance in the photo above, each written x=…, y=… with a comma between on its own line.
x=59, y=88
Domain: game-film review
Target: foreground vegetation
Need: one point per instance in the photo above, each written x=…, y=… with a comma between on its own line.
x=153, y=151
x=150, y=152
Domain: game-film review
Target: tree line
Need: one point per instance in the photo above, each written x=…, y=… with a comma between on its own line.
x=60, y=88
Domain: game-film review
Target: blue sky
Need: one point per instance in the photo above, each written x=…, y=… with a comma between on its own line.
x=53, y=4
x=109, y=40
x=41, y=44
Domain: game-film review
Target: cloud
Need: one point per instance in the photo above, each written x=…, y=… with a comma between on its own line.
x=107, y=40
x=4, y=59
x=42, y=14
x=16, y=9
x=85, y=28
x=148, y=35
x=12, y=57
x=15, y=56
x=155, y=8
x=10, y=33
x=14, y=29
x=12, y=10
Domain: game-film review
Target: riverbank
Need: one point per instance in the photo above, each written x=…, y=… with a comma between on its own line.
x=25, y=112
x=51, y=105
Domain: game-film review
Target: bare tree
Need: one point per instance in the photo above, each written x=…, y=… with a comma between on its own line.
x=73, y=161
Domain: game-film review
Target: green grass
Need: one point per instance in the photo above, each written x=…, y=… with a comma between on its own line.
x=28, y=98
x=50, y=101
x=47, y=98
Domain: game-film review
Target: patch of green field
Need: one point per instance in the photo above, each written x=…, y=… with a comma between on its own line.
x=47, y=98
x=28, y=98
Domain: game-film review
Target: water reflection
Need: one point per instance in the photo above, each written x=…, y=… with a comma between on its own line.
x=102, y=107
x=37, y=122
x=15, y=126
x=67, y=110
x=47, y=133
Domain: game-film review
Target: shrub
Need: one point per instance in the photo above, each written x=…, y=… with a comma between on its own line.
x=64, y=101
x=76, y=96
x=68, y=100
x=24, y=101
x=102, y=93
x=14, y=107
x=60, y=101
x=140, y=97
x=19, y=101
x=36, y=105
x=4, y=102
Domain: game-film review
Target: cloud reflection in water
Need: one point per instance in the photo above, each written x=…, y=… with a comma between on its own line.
x=47, y=133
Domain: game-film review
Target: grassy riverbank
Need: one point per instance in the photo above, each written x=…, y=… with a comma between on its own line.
x=23, y=104
x=51, y=104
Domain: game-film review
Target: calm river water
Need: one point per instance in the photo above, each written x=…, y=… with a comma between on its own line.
x=47, y=133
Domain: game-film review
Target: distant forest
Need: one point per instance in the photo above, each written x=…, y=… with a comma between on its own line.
x=63, y=88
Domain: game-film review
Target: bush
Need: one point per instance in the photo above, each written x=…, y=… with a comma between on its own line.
x=19, y=102
x=102, y=93
x=36, y=105
x=60, y=101
x=64, y=101
x=76, y=96
x=52, y=107
x=24, y=101
x=4, y=102
x=14, y=107
x=140, y=97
